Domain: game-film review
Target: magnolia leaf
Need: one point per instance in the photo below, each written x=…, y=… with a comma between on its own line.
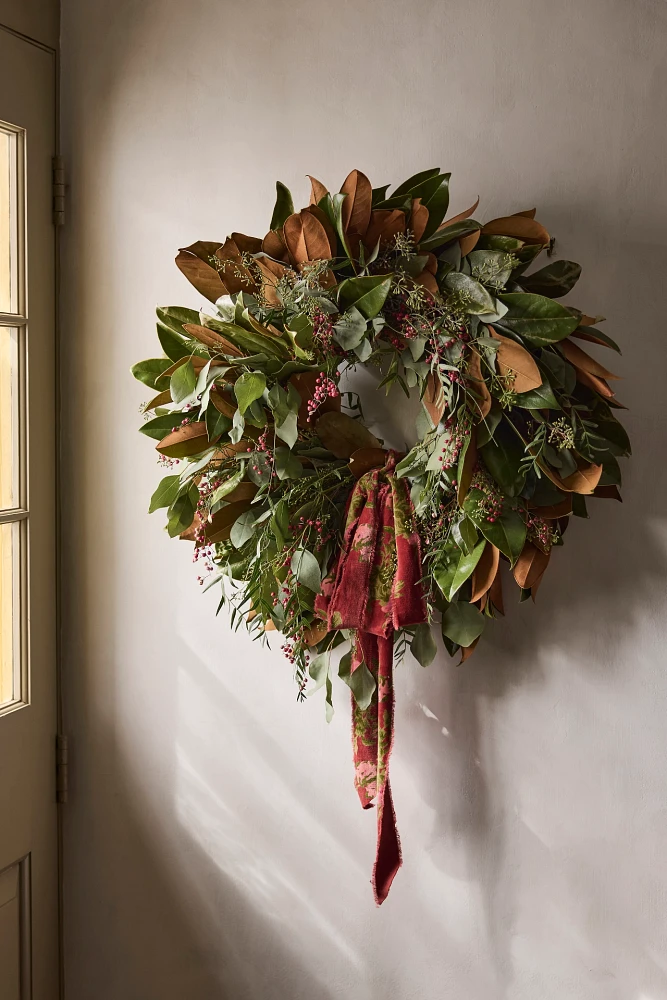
x=182, y=383
x=462, y=623
x=485, y=572
x=538, y=399
x=187, y=440
x=472, y=296
x=249, y=387
x=342, y=435
x=584, y=362
x=150, y=371
x=554, y=280
x=515, y=362
x=595, y=337
x=423, y=646
x=507, y=533
x=530, y=566
x=465, y=534
x=536, y=318
x=167, y=491
x=280, y=523
x=284, y=206
x=435, y=197
x=502, y=456
x=356, y=209
x=367, y=294
x=519, y=227
x=466, y=465
x=584, y=480
x=454, y=569
x=477, y=386
x=306, y=569
x=205, y=278
x=434, y=399
x=317, y=190
x=460, y=217
x=182, y=511
x=306, y=238
x=365, y=459
x=159, y=426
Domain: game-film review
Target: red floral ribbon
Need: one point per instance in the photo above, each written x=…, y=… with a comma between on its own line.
x=375, y=589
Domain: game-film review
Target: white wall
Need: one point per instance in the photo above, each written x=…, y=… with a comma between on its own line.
x=215, y=847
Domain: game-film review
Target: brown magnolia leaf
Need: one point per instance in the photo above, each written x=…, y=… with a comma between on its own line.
x=272, y=272
x=365, y=459
x=584, y=480
x=222, y=404
x=496, y=593
x=304, y=383
x=184, y=441
x=467, y=651
x=528, y=214
x=554, y=510
x=234, y=273
x=427, y=281
x=161, y=399
x=608, y=493
x=274, y=245
x=270, y=625
x=530, y=565
x=322, y=217
x=476, y=384
x=356, y=208
x=431, y=263
x=342, y=435
x=461, y=217
x=596, y=384
x=306, y=238
x=384, y=225
x=315, y=634
x=205, y=278
x=244, y=491
x=418, y=219
x=434, y=399
x=212, y=339
x=518, y=226
x=219, y=527
x=469, y=242
x=584, y=362
x=514, y=360
x=247, y=244
x=485, y=572
x=469, y=463
x=228, y=450
x=317, y=190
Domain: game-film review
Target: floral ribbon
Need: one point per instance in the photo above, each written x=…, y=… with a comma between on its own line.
x=374, y=589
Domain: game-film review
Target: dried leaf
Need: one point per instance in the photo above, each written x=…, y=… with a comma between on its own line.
x=365, y=459
x=219, y=527
x=496, y=593
x=520, y=227
x=184, y=441
x=485, y=572
x=342, y=435
x=584, y=480
x=384, y=225
x=161, y=399
x=274, y=245
x=434, y=399
x=461, y=217
x=427, y=281
x=530, y=566
x=528, y=214
x=307, y=238
x=190, y=534
x=315, y=634
x=244, y=491
x=554, y=510
x=206, y=279
x=272, y=272
x=317, y=191
x=465, y=472
x=584, y=362
x=236, y=277
x=596, y=384
x=222, y=404
x=270, y=625
x=212, y=339
x=477, y=385
x=469, y=242
x=356, y=208
x=467, y=651
x=418, y=219
x=247, y=244
x=514, y=360
x=608, y=493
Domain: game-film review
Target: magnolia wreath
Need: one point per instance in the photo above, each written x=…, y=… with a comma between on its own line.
x=312, y=527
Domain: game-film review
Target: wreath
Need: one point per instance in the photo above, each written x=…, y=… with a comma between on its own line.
x=309, y=524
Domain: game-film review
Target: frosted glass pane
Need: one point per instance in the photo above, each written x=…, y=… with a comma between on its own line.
x=9, y=418
x=8, y=222
x=10, y=595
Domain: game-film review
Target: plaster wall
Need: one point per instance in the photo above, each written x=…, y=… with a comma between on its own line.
x=214, y=842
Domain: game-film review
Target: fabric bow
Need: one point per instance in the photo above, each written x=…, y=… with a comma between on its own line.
x=374, y=589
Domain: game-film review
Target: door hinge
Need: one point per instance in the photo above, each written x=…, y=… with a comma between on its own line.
x=62, y=768
x=58, y=190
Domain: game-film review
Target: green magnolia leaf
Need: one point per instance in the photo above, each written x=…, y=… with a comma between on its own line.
x=423, y=646
x=217, y=423
x=593, y=331
x=166, y=493
x=502, y=456
x=249, y=387
x=306, y=569
x=350, y=329
x=173, y=317
x=182, y=383
x=284, y=206
x=367, y=294
x=453, y=232
x=173, y=345
x=455, y=568
x=360, y=681
x=462, y=623
x=150, y=371
x=560, y=371
x=465, y=535
x=537, y=399
x=243, y=529
x=472, y=296
x=182, y=512
x=554, y=280
x=435, y=196
x=226, y=488
x=539, y=319
x=414, y=182
x=507, y=532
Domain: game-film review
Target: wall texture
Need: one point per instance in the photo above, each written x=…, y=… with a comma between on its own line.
x=215, y=848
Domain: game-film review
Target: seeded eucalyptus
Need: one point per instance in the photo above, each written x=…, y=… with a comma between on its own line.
x=517, y=425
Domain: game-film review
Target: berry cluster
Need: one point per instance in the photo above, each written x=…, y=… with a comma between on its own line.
x=325, y=388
